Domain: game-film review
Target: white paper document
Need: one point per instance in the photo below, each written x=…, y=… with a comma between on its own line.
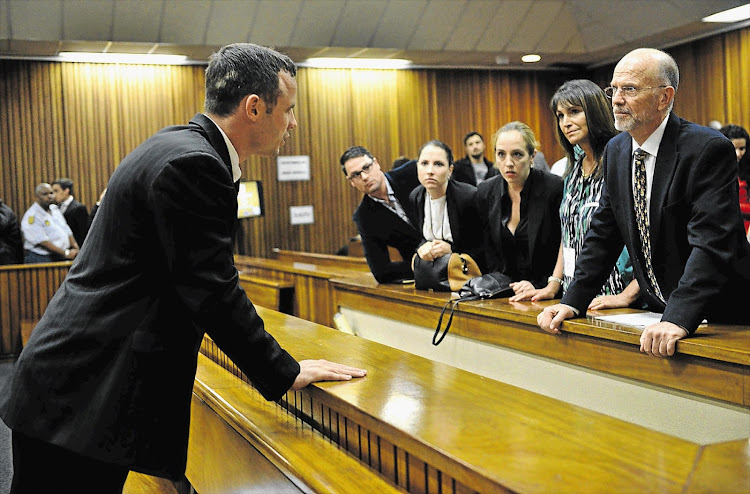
x=638, y=320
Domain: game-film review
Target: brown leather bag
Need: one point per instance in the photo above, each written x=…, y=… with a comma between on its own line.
x=446, y=274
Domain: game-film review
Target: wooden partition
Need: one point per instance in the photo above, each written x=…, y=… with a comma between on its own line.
x=714, y=363
x=80, y=120
x=423, y=426
x=310, y=275
x=25, y=291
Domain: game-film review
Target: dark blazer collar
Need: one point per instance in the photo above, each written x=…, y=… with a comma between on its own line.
x=666, y=161
x=213, y=134
x=534, y=191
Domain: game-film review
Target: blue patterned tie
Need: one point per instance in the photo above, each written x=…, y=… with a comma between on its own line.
x=641, y=217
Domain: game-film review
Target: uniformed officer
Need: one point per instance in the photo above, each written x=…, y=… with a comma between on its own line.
x=47, y=236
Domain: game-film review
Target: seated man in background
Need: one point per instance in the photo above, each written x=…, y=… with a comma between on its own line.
x=382, y=217
x=474, y=167
x=74, y=212
x=47, y=237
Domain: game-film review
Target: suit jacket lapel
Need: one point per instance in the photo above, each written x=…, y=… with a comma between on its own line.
x=453, y=212
x=666, y=161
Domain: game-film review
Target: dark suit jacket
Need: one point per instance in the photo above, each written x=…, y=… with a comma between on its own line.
x=78, y=220
x=462, y=216
x=699, y=253
x=380, y=227
x=108, y=371
x=463, y=171
x=545, y=195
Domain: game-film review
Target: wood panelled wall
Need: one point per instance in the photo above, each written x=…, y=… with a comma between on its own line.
x=80, y=120
x=714, y=79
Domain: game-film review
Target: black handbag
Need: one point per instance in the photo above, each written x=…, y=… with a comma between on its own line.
x=491, y=285
x=447, y=273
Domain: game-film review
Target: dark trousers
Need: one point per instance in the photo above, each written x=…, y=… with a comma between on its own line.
x=42, y=467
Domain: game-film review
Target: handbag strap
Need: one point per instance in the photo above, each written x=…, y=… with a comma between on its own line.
x=438, y=337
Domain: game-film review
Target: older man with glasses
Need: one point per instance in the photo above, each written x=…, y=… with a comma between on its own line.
x=671, y=198
x=382, y=217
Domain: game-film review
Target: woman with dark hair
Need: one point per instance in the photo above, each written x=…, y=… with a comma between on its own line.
x=740, y=139
x=585, y=125
x=519, y=210
x=445, y=209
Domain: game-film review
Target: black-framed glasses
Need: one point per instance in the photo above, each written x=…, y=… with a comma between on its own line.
x=365, y=169
x=627, y=91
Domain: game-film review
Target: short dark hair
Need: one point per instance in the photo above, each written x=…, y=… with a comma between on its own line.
x=472, y=133
x=599, y=118
x=441, y=145
x=240, y=69
x=354, y=152
x=65, y=184
x=732, y=131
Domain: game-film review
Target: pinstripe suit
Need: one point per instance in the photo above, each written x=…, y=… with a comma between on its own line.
x=109, y=369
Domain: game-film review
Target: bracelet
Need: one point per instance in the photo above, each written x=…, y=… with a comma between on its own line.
x=67, y=252
x=553, y=278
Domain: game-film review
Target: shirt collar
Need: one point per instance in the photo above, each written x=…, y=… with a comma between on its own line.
x=651, y=145
x=233, y=156
x=67, y=201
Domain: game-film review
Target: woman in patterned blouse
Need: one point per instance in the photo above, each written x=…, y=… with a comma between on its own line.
x=585, y=125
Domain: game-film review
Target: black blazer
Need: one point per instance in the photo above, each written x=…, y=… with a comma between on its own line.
x=77, y=218
x=463, y=171
x=108, y=372
x=545, y=195
x=380, y=227
x=700, y=256
x=462, y=216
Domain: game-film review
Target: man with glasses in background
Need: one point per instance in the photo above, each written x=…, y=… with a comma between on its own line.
x=382, y=217
x=671, y=198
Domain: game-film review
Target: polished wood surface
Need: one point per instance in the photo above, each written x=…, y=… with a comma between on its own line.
x=310, y=274
x=140, y=483
x=232, y=426
x=419, y=423
x=25, y=291
x=276, y=295
x=715, y=362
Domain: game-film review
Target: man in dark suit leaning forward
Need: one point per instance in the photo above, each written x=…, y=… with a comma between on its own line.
x=382, y=217
x=671, y=196
x=104, y=384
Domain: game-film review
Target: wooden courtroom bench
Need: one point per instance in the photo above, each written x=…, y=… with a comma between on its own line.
x=272, y=294
x=424, y=426
x=310, y=274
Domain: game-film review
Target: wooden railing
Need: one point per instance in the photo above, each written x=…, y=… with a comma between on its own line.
x=428, y=427
x=25, y=291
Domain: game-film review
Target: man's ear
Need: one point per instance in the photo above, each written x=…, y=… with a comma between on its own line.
x=254, y=106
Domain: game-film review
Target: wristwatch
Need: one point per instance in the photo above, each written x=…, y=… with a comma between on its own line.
x=553, y=278
x=67, y=252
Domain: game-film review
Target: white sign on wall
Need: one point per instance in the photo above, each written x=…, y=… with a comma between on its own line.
x=292, y=168
x=301, y=215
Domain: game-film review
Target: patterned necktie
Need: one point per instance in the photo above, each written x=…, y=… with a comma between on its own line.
x=641, y=216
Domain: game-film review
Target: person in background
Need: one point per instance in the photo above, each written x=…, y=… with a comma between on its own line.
x=104, y=384
x=540, y=162
x=740, y=139
x=474, y=167
x=670, y=196
x=519, y=212
x=11, y=242
x=382, y=217
x=585, y=120
x=444, y=209
x=401, y=160
x=47, y=236
x=74, y=212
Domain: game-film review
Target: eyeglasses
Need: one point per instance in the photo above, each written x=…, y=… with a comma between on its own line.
x=627, y=91
x=365, y=169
